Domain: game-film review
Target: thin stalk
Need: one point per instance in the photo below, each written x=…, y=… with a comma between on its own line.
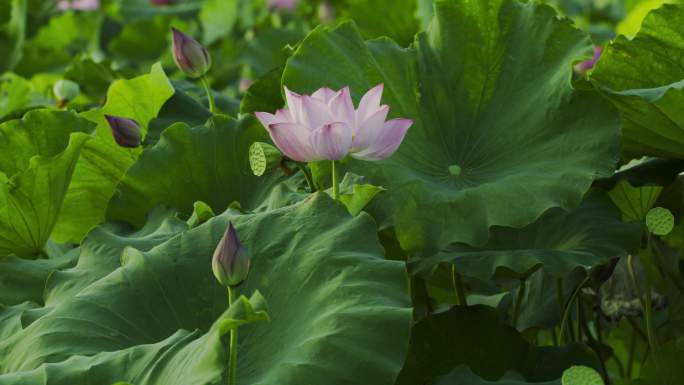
x=580, y=318
x=307, y=176
x=637, y=329
x=335, y=185
x=568, y=307
x=457, y=282
x=558, y=338
x=630, y=353
x=620, y=367
x=645, y=305
x=518, y=302
x=210, y=95
x=232, y=364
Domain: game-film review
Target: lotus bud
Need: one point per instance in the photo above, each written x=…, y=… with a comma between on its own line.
x=283, y=5
x=126, y=132
x=190, y=56
x=65, y=91
x=326, y=13
x=263, y=158
x=230, y=262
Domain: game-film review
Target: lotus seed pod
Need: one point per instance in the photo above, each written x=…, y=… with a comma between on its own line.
x=65, y=90
x=659, y=221
x=581, y=375
x=230, y=262
x=263, y=158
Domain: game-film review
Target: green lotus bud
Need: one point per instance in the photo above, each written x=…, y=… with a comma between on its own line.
x=230, y=262
x=190, y=56
x=65, y=90
x=659, y=221
x=263, y=158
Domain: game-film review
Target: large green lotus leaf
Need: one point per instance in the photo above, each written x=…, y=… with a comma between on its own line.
x=464, y=376
x=644, y=78
x=499, y=134
x=399, y=20
x=186, y=357
x=23, y=280
x=340, y=312
x=17, y=95
x=208, y=163
x=134, y=9
x=559, y=242
x=440, y=343
x=634, y=202
x=101, y=251
x=103, y=163
x=55, y=44
x=12, y=32
x=38, y=154
x=218, y=18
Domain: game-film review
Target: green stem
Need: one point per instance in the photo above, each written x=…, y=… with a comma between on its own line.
x=232, y=364
x=210, y=95
x=458, y=286
x=568, y=308
x=518, y=302
x=645, y=304
x=580, y=318
x=307, y=176
x=335, y=185
x=630, y=354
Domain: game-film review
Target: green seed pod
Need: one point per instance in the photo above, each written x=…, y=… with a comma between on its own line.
x=65, y=90
x=263, y=158
x=659, y=221
x=581, y=375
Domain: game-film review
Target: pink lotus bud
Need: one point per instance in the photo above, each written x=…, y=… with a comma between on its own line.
x=190, y=56
x=79, y=5
x=326, y=13
x=586, y=65
x=325, y=125
x=283, y=5
x=126, y=131
x=230, y=262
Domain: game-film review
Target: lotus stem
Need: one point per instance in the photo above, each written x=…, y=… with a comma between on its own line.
x=518, y=303
x=335, y=185
x=568, y=308
x=307, y=176
x=645, y=304
x=232, y=364
x=210, y=95
x=458, y=286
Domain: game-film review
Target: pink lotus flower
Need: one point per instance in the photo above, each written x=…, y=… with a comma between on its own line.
x=81, y=5
x=325, y=126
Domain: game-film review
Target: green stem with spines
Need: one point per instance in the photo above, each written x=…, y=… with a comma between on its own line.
x=568, y=308
x=232, y=363
x=210, y=95
x=518, y=302
x=335, y=184
x=307, y=176
x=458, y=286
